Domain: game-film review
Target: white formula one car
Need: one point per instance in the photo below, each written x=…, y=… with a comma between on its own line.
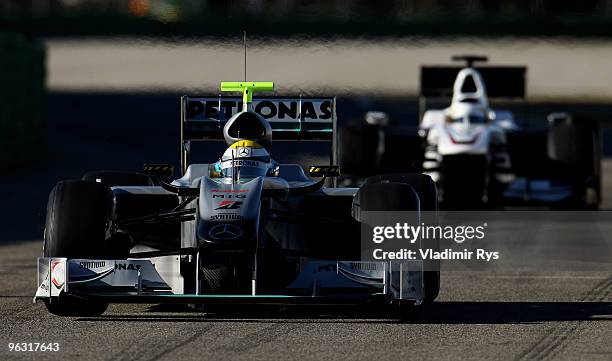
x=240, y=229
x=465, y=143
x=480, y=155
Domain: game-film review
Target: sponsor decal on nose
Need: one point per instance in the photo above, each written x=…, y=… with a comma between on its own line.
x=228, y=205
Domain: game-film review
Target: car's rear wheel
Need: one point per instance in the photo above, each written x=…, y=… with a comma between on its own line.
x=575, y=148
x=361, y=149
x=77, y=215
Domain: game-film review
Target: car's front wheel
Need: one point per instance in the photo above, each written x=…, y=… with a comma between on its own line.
x=77, y=216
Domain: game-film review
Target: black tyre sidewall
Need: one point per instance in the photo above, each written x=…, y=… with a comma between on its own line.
x=427, y=193
x=77, y=215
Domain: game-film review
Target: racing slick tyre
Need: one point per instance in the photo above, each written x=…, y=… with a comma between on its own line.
x=77, y=215
x=361, y=149
x=427, y=192
x=404, y=192
x=575, y=147
x=116, y=178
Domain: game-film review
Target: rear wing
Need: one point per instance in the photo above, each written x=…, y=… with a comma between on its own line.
x=291, y=118
x=500, y=81
x=508, y=82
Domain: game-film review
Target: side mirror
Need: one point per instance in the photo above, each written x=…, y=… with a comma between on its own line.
x=317, y=171
x=491, y=116
x=377, y=118
x=558, y=118
x=158, y=170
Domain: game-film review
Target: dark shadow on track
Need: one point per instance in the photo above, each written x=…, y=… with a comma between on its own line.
x=514, y=312
x=439, y=313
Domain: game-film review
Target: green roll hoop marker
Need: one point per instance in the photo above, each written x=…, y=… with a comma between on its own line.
x=247, y=89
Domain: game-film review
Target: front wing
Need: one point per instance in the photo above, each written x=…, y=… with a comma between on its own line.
x=319, y=282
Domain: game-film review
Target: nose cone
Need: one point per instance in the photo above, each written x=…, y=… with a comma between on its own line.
x=463, y=134
x=228, y=213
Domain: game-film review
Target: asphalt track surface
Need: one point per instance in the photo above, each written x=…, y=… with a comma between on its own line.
x=478, y=316
x=509, y=315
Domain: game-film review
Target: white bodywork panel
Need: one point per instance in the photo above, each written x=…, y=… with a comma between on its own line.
x=193, y=174
x=450, y=131
x=400, y=280
x=168, y=267
x=504, y=119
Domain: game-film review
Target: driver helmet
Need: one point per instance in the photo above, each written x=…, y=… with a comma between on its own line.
x=246, y=159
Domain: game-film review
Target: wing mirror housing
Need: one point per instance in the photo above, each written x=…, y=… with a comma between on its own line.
x=318, y=171
x=158, y=170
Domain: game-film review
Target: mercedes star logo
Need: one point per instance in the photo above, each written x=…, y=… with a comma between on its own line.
x=243, y=152
x=225, y=231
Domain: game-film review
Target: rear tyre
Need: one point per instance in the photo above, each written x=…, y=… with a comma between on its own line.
x=361, y=149
x=575, y=148
x=77, y=215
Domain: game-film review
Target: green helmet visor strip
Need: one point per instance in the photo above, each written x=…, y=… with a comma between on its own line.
x=247, y=89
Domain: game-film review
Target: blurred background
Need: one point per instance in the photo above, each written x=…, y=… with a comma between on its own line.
x=95, y=84
x=288, y=17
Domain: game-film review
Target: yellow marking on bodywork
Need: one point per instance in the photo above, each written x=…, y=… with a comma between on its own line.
x=245, y=143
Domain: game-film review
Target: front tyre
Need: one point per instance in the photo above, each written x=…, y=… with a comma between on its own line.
x=70, y=306
x=77, y=217
x=427, y=193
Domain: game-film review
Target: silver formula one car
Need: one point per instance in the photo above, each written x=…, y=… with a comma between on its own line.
x=242, y=229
